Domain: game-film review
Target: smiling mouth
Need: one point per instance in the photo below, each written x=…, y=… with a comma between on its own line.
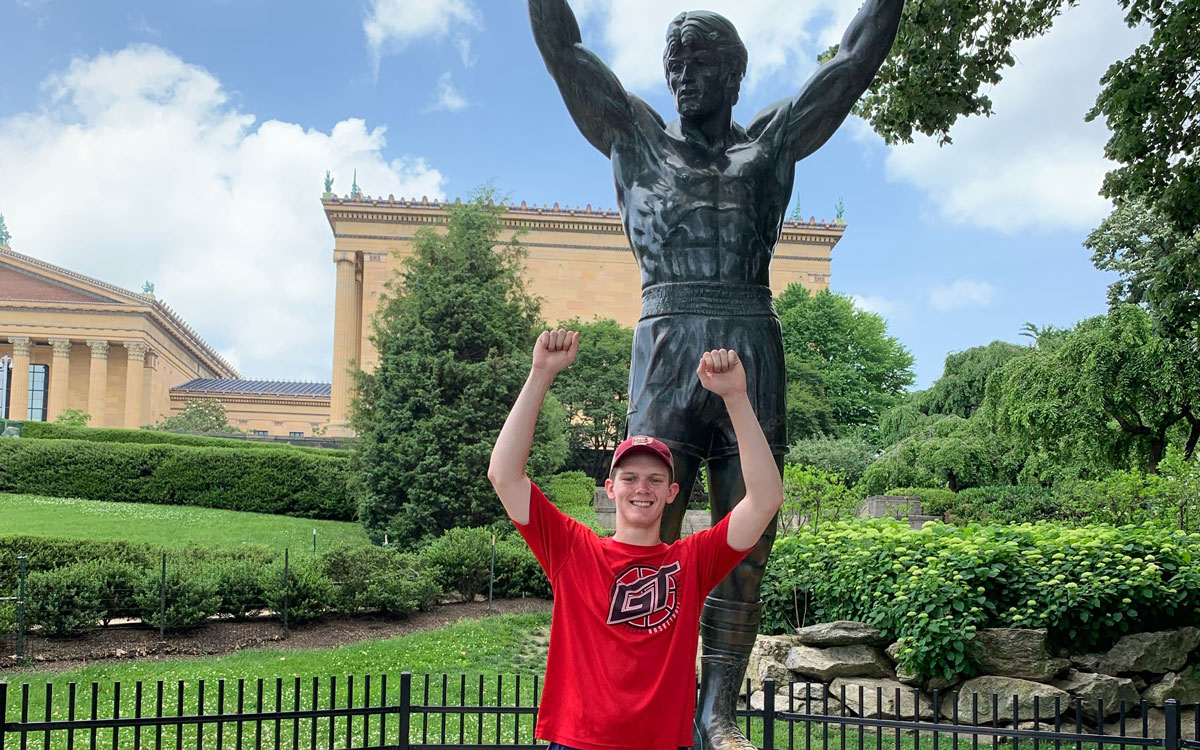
x=641, y=503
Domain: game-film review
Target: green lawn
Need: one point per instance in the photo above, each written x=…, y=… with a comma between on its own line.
x=168, y=525
x=508, y=645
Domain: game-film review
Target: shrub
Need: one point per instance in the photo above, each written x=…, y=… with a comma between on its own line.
x=285, y=482
x=1011, y=504
x=935, y=502
x=463, y=559
x=308, y=591
x=811, y=496
x=55, y=431
x=64, y=601
x=518, y=572
x=379, y=578
x=47, y=553
x=116, y=579
x=8, y=617
x=190, y=590
x=239, y=583
x=933, y=588
x=574, y=493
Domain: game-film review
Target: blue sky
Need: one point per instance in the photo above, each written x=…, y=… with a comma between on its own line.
x=186, y=143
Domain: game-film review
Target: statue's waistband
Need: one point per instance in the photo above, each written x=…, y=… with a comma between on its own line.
x=707, y=298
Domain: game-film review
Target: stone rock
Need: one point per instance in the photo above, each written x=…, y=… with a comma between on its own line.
x=766, y=667
x=940, y=683
x=1006, y=688
x=815, y=704
x=1016, y=652
x=766, y=660
x=826, y=664
x=1158, y=653
x=1156, y=724
x=1182, y=686
x=840, y=633
x=1139, y=682
x=879, y=699
x=902, y=674
x=1092, y=688
x=1035, y=726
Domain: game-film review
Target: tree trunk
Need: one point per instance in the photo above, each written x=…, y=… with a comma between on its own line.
x=1158, y=444
x=1193, y=436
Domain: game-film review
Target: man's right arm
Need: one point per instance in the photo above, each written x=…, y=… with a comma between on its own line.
x=553, y=351
x=599, y=104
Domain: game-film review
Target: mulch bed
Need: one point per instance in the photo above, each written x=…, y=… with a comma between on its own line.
x=124, y=642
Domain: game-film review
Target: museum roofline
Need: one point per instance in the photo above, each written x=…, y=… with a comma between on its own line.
x=366, y=201
x=246, y=387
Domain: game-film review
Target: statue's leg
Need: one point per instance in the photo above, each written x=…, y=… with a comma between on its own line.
x=687, y=466
x=729, y=621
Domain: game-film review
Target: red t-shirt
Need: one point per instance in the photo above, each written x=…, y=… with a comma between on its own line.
x=621, y=672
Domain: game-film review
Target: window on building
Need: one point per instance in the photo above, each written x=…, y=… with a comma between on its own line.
x=39, y=376
x=295, y=434
x=258, y=432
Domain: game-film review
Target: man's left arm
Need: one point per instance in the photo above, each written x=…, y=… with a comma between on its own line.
x=721, y=372
x=815, y=113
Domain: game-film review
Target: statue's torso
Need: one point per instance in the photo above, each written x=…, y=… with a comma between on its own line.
x=692, y=214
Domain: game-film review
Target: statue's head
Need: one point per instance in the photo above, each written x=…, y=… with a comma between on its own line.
x=704, y=61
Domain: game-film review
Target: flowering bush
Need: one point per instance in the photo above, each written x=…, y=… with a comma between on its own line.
x=933, y=588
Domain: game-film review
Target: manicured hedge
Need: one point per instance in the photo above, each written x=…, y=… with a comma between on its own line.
x=52, y=431
x=574, y=493
x=933, y=588
x=284, y=482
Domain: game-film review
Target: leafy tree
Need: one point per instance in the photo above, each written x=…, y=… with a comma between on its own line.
x=850, y=359
x=199, y=415
x=847, y=457
x=1109, y=397
x=73, y=418
x=961, y=387
x=944, y=451
x=594, y=390
x=453, y=335
x=811, y=495
x=1159, y=265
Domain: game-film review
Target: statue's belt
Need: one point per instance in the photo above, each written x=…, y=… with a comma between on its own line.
x=707, y=298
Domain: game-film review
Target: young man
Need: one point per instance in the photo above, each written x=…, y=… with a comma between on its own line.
x=621, y=668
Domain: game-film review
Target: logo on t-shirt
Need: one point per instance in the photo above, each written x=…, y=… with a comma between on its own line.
x=643, y=597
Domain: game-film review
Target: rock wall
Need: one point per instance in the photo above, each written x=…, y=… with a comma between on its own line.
x=849, y=666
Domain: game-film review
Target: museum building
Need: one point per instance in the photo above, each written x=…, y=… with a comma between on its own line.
x=128, y=360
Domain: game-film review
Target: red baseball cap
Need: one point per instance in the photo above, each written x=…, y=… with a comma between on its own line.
x=644, y=444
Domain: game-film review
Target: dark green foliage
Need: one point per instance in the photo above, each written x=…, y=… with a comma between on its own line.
x=943, y=451
x=64, y=601
x=843, y=353
x=462, y=557
x=934, y=502
x=8, y=617
x=574, y=493
x=1010, y=504
x=116, y=578
x=453, y=336
x=1159, y=265
x=191, y=595
x=380, y=579
x=284, y=482
x=309, y=592
x=52, y=430
x=45, y=553
x=932, y=589
x=847, y=457
x=518, y=572
x=240, y=585
x=593, y=389
x=961, y=388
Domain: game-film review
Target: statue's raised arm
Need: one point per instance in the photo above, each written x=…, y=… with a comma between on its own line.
x=830, y=94
x=599, y=104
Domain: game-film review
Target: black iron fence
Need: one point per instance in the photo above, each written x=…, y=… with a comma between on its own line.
x=447, y=712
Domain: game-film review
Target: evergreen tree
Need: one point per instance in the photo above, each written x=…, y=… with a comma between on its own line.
x=453, y=334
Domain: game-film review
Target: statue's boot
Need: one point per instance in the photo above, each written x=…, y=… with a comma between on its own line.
x=727, y=632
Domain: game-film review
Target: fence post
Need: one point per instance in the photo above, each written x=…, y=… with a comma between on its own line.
x=286, y=581
x=314, y=541
x=1171, y=738
x=405, y=714
x=23, y=564
x=492, y=574
x=768, y=736
x=162, y=602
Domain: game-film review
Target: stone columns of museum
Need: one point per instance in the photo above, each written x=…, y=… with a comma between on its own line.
x=98, y=383
x=60, y=371
x=345, y=327
x=18, y=401
x=134, y=379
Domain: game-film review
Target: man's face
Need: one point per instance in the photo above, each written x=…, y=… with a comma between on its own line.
x=698, y=80
x=641, y=488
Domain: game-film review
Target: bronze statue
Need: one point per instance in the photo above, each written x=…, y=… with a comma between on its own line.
x=703, y=202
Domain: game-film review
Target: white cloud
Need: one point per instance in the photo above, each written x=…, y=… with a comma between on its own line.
x=1035, y=164
x=446, y=97
x=962, y=293
x=889, y=308
x=783, y=37
x=392, y=24
x=139, y=168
